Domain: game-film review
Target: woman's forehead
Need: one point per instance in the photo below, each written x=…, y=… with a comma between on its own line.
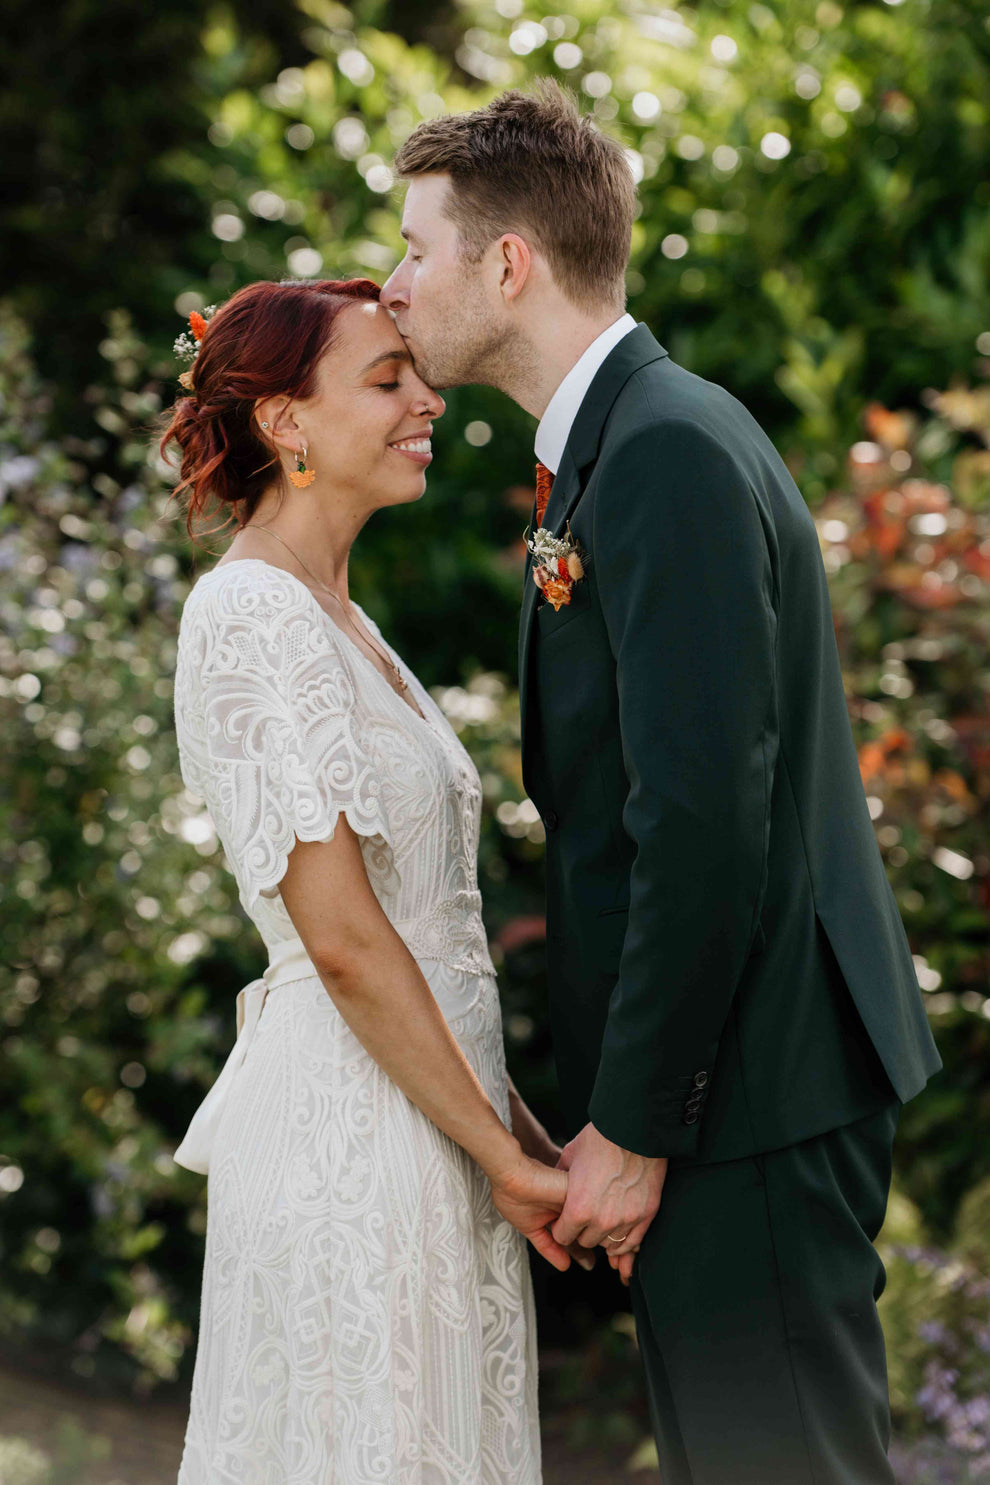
x=366, y=334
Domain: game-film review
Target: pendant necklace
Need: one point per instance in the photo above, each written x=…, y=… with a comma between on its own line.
x=400, y=681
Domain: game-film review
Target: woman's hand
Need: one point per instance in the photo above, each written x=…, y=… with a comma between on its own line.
x=531, y=1195
x=537, y=1143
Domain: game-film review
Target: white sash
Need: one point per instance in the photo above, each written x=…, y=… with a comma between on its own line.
x=289, y=962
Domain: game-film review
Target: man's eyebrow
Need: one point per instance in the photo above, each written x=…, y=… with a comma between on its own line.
x=387, y=356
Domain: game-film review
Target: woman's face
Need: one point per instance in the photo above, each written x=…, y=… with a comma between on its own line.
x=367, y=427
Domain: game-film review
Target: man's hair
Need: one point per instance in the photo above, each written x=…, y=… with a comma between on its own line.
x=531, y=163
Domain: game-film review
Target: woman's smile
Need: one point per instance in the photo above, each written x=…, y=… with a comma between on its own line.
x=419, y=450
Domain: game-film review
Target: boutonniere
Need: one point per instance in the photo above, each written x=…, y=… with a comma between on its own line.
x=558, y=563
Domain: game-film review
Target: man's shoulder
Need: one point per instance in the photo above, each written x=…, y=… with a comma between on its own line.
x=666, y=399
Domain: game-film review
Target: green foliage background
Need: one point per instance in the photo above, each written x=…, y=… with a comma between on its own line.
x=814, y=234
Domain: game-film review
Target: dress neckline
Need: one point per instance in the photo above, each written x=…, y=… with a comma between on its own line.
x=420, y=716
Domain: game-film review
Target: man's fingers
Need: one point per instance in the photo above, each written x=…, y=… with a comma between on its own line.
x=625, y=1264
x=585, y=1257
x=566, y=1228
x=552, y=1251
x=632, y=1241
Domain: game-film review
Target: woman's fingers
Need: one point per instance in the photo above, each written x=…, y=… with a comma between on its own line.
x=624, y=1265
x=544, y=1243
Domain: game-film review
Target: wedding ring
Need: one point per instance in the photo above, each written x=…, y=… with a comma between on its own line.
x=610, y=1237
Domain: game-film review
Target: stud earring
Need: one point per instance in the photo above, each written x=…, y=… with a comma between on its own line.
x=302, y=477
x=264, y=425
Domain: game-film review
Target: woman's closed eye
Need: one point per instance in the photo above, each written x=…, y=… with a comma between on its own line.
x=387, y=386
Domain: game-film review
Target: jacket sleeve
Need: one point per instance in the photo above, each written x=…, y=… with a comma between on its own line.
x=683, y=572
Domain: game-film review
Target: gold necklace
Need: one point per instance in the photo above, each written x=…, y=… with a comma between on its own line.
x=400, y=680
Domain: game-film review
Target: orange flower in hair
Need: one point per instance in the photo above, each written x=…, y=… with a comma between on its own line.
x=186, y=347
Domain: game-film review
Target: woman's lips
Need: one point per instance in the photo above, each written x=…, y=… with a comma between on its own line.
x=419, y=450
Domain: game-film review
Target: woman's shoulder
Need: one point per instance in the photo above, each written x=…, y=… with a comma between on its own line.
x=248, y=590
x=250, y=614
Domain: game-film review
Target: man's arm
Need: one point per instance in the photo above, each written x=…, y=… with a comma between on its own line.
x=684, y=577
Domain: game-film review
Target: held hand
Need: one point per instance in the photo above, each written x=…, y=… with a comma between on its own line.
x=537, y=1143
x=530, y=1195
x=611, y=1190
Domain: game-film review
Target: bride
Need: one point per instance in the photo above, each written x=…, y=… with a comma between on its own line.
x=367, y=1310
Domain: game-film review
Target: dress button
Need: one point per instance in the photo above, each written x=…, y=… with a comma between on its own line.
x=691, y=1117
x=700, y=1079
x=550, y=820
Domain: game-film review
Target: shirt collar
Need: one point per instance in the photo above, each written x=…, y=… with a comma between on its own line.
x=556, y=423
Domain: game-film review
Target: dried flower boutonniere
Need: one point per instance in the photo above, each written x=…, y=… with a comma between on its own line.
x=558, y=564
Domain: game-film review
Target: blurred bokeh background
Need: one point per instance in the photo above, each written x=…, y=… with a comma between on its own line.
x=814, y=235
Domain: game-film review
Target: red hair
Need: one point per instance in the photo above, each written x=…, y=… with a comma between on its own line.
x=266, y=339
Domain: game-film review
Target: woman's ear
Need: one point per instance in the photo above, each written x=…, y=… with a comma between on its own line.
x=274, y=422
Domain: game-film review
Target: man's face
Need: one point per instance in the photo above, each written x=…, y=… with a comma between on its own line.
x=440, y=301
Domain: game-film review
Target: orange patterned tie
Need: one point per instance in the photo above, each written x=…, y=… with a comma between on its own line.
x=544, y=484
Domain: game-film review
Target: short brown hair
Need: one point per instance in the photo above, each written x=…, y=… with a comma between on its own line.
x=530, y=162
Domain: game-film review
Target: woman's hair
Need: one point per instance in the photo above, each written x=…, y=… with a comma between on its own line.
x=266, y=339
x=531, y=163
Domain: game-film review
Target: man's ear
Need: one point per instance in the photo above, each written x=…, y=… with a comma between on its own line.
x=515, y=263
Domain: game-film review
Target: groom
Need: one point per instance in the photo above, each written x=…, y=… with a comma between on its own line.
x=735, y=1011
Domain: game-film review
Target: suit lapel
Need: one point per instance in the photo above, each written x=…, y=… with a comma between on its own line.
x=634, y=351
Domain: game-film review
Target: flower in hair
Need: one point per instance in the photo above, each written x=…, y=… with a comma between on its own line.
x=186, y=345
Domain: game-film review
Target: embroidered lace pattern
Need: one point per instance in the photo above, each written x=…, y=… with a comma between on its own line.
x=283, y=724
x=366, y=1314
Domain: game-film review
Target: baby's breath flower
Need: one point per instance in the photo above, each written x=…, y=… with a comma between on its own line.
x=186, y=346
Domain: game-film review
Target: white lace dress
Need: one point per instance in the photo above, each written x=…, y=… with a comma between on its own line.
x=366, y=1316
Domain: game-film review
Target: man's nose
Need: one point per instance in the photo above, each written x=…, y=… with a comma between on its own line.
x=391, y=295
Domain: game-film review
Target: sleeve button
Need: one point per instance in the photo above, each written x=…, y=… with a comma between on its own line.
x=691, y=1117
x=700, y=1079
x=550, y=820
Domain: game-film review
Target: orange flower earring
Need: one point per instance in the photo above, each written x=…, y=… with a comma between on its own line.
x=302, y=477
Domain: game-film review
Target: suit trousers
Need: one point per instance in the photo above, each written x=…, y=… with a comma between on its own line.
x=754, y=1294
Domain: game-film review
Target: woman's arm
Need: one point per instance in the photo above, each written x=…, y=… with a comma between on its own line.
x=380, y=991
x=528, y=1130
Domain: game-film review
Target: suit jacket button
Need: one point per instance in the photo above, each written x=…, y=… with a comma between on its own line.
x=700, y=1079
x=691, y=1117
x=550, y=820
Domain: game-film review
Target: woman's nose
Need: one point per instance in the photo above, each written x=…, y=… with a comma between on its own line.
x=431, y=403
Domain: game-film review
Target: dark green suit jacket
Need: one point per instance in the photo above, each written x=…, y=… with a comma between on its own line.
x=727, y=968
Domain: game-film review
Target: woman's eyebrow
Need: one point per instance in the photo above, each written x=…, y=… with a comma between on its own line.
x=387, y=356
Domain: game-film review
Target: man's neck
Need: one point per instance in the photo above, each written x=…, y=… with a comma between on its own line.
x=556, y=345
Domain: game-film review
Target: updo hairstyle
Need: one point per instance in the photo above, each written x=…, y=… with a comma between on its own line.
x=267, y=339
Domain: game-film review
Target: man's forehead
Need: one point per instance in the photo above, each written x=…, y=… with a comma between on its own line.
x=423, y=208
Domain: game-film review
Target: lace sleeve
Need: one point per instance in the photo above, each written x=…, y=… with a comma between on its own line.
x=282, y=749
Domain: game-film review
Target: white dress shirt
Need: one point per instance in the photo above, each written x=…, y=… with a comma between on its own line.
x=556, y=423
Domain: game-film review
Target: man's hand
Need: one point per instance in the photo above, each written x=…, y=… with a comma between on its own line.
x=609, y=1190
